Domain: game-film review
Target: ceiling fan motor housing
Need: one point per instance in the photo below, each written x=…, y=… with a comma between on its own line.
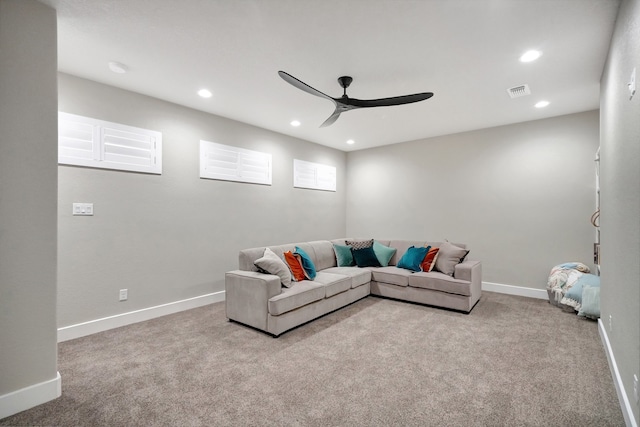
x=345, y=81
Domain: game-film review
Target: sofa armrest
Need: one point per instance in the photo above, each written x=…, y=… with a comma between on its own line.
x=247, y=294
x=467, y=270
x=470, y=271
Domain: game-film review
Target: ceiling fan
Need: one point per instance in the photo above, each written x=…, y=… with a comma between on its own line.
x=344, y=103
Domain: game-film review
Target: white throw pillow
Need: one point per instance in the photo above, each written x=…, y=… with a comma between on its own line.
x=272, y=264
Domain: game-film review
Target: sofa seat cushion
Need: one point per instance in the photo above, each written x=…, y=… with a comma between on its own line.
x=298, y=295
x=440, y=282
x=359, y=276
x=392, y=275
x=333, y=283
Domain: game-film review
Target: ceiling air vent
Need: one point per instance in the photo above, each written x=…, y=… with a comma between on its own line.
x=517, y=91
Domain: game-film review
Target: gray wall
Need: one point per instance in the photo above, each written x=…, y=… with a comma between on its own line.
x=620, y=197
x=521, y=195
x=28, y=176
x=173, y=236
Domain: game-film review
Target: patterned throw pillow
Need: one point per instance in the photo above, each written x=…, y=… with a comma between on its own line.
x=359, y=244
x=430, y=259
x=295, y=266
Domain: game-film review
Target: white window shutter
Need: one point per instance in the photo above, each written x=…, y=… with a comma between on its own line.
x=229, y=163
x=128, y=148
x=84, y=141
x=78, y=140
x=314, y=176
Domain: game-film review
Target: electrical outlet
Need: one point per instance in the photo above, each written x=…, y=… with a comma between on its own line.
x=635, y=387
x=123, y=294
x=83, y=209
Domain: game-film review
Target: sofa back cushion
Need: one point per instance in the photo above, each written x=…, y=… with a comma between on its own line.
x=323, y=255
x=247, y=257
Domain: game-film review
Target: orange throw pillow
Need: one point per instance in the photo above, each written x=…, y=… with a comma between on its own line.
x=430, y=260
x=294, y=265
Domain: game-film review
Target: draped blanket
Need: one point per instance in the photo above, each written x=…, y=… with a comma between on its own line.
x=561, y=279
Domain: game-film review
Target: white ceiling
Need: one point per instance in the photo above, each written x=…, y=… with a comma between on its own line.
x=465, y=51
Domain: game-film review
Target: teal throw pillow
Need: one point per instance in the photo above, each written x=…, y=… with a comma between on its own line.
x=590, y=302
x=344, y=257
x=307, y=264
x=383, y=253
x=412, y=258
x=575, y=293
x=365, y=257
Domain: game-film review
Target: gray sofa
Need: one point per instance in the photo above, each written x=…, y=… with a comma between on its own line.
x=259, y=300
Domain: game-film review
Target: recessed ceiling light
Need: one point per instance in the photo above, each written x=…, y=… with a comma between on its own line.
x=205, y=93
x=530, y=55
x=117, y=67
x=295, y=123
x=542, y=104
x=350, y=141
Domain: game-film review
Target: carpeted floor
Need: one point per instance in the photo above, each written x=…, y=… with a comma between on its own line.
x=513, y=361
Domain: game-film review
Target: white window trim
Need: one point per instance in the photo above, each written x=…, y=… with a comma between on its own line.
x=97, y=156
x=314, y=176
x=229, y=163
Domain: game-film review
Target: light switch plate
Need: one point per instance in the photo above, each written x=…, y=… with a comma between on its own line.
x=83, y=209
x=632, y=84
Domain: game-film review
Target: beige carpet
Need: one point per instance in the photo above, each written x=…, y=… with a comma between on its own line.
x=513, y=361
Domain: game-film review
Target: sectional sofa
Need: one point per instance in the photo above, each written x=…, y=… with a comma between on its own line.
x=257, y=298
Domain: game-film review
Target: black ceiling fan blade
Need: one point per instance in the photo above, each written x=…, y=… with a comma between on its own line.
x=386, y=102
x=332, y=118
x=303, y=86
x=345, y=103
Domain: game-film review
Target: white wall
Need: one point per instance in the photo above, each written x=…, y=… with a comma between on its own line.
x=28, y=176
x=520, y=196
x=620, y=198
x=172, y=237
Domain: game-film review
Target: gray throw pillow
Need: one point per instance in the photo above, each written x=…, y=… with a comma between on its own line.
x=272, y=264
x=448, y=257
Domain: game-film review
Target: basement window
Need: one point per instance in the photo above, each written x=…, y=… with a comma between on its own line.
x=229, y=163
x=84, y=141
x=315, y=176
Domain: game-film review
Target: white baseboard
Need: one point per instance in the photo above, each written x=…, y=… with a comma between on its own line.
x=99, y=325
x=28, y=397
x=515, y=290
x=625, y=405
